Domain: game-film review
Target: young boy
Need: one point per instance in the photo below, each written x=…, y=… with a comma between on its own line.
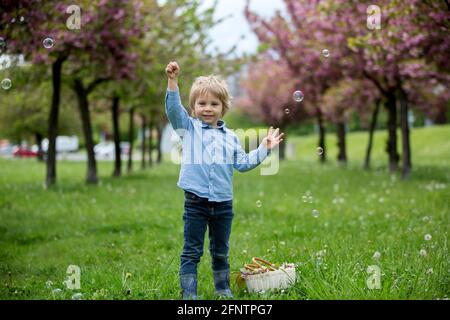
x=210, y=152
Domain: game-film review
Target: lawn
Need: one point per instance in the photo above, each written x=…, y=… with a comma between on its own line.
x=126, y=234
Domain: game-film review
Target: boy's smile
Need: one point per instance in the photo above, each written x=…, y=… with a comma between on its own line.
x=208, y=108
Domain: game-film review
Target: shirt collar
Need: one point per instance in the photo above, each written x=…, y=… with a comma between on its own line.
x=220, y=125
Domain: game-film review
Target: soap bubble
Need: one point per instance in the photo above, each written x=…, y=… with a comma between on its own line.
x=298, y=96
x=427, y=237
x=315, y=213
x=6, y=84
x=48, y=43
x=423, y=252
x=22, y=19
x=325, y=53
x=320, y=151
x=287, y=111
x=259, y=203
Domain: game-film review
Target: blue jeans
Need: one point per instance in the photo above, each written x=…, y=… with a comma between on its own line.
x=200, y=213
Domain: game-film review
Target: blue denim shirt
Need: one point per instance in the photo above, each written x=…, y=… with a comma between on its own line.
x=209, y=154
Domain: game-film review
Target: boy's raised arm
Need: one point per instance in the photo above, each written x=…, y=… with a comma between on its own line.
x=246, y=161
x=176, y=113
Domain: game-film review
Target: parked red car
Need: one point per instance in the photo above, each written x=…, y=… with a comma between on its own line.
x=22, y=152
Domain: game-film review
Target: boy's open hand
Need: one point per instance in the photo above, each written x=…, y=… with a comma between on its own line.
x=273, y=138
x=172, y=70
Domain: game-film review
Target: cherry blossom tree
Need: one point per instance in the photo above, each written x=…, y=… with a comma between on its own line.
x=344, y=98
x=95, y=53
x=269, y=85
x=411, y=45
x=300, y=40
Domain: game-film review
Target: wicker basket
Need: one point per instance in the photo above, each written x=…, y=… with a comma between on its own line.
x=261, y=275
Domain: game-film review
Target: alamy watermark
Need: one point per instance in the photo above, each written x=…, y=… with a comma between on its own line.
x=73, y=22
x=374, y=280
x=73, y=279
x=373, y=17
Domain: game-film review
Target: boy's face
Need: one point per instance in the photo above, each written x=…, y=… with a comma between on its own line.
x=208, y=108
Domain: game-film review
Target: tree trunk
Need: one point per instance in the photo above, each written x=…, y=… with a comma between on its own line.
x=131, y=139
x=373, y=125
x=116, y=134
x=391, y=147
x=143, y=128
x=406, y=146
x=342, y=152
x=53, y=122
x=150, y=142
x=159, y=128
x=83, y=106
x=322, y=154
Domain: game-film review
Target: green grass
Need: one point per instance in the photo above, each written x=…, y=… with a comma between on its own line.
x=134, y=225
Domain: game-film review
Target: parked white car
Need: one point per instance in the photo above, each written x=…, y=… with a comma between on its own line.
x=107, y=149
x=63, y=144
x=104, y=149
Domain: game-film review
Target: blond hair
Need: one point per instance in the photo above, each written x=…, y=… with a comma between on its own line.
x=213, y=84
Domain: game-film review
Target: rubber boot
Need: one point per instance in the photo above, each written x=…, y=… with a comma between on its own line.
x=222, y=283
x=188, y=283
